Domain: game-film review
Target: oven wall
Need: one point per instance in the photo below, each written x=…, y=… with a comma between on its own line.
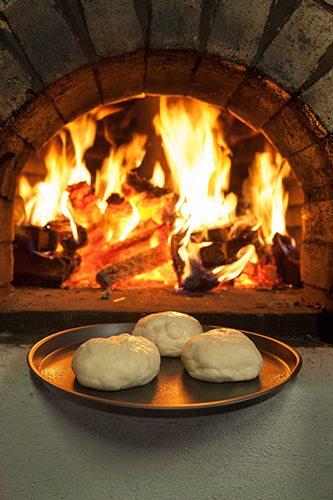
x=268, y=63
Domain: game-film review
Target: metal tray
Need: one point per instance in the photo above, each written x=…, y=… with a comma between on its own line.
x=173, y=393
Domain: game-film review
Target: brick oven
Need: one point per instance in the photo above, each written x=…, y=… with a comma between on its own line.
x=267, y=64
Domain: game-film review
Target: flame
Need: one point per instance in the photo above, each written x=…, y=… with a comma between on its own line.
x=199, y=161
x=119, y=220
x=266, y=195
x=158, y=177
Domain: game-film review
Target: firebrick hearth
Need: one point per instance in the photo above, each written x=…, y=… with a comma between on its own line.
x=268, y=67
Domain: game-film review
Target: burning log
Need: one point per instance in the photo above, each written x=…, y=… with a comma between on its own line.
x=38, y=261
x=45, y=270
x=143, y=261
x=287, y=260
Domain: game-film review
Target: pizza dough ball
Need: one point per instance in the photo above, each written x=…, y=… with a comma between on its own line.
x=222, y=355
x=169, y=330
x=117, y=362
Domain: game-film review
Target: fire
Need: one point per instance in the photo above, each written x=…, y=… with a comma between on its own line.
x=183, y=224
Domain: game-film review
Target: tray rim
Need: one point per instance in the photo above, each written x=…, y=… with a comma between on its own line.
x=151, y=410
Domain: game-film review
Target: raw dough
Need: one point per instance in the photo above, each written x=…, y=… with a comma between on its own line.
x=117, y=362
x=222, y=355
x=169, y=330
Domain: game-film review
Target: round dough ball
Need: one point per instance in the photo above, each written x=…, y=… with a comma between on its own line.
x=168, y=330
x=117, y=362
x=222, y=355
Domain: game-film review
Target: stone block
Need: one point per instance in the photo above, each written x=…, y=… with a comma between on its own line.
x=6, y=263
x=169, y=72
x=301, y=42
x=317, y=221
x=113, y=26
x=313, y=169
x=257, y=100
x=49, y=42
x=216, y=80
x=294, y=128
x=121, y=77
x=37, y=121
x=319, y=98
x=76, y=93
x=316, y=265
x=237, y=29
x=15, y=83
x=175, y=25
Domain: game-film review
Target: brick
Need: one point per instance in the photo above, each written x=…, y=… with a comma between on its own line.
x=257, y=100
x=295, y=51
x=76, y=93
x=317, y=221
x=175, y=25
x=37, y=121
x=113, y=26
x=15, y=82
x=316, y=265
x=293, y=216
x=295, y=194
x=5, y=290
x=313, y=169
x=216, y=80
x=49, y=42
x=6, y=225
x=121, y=77
x=319, y=98
x=169, y=72
x=237, y=29
x=314, y=296
x=294, y=128
x=6, y=263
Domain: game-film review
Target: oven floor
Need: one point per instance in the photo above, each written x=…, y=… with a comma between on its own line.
x=282, y=314
x=278, y=449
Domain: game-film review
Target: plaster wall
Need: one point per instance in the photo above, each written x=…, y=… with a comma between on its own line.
x=276, y=450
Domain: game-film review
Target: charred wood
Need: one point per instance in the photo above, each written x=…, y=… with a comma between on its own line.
x=287, y=259
x=33, y=269
x=143, y=261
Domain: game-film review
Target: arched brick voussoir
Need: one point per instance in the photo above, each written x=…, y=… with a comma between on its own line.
x=314, y=169
x=215, y=80
x=75, y=93
x=294, y=128
x=170, y=71
x=257, y=99
x=36, y=121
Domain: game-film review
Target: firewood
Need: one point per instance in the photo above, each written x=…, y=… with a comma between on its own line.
x=48, y=270
x=212, y=255
x=287, y=259
x=143, y=261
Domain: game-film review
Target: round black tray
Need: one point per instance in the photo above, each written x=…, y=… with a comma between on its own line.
x=173, y=393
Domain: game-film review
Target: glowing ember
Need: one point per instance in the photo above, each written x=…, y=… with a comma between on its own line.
x=182, y=225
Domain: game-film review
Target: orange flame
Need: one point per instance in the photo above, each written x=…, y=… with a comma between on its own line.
x=199, y=161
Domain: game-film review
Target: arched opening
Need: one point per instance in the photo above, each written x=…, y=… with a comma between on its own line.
x=285, y=121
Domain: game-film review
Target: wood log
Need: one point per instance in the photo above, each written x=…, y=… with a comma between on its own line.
x=33, y=269
x=143, y=261
x=287, y=259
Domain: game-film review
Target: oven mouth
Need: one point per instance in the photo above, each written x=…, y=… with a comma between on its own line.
x=111, y=201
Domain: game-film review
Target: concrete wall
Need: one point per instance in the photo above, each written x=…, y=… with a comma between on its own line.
x=278, y=449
